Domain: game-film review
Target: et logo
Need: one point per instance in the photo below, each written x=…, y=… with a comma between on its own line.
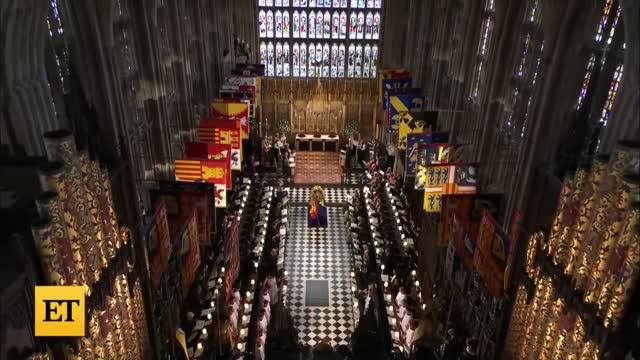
x=59, y=311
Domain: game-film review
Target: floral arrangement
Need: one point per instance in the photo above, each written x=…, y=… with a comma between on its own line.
x=282, y=126
x=351, y=127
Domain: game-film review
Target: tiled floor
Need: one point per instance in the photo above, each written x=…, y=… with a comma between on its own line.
x=318, y=167
x=320, y=254
x=333, y=196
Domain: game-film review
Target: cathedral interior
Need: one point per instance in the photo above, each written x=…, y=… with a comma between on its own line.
x=320, y=179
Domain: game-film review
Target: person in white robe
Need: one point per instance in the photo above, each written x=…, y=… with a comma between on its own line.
x=267, y=310
x=408, y=336
x=263, y=321
x=401, y=297
x=406, y=321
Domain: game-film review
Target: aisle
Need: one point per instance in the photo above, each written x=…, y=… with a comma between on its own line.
x=319, y=266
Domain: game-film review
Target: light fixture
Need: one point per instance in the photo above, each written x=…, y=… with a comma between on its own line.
x=204, y=332
x=352, y=274
x=398, y=221
x=209, y=317
x=222, y=269
x=199, y=346
x=253, y=282
x=417, y=283
x=286, y=273
x=413, y=273
x=353, y=289
x=248, y=295
x=382, y=267
x=405, y=243
x=213, y=305
x=386, y=283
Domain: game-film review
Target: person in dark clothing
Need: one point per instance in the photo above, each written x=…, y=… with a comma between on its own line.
x=425, y=352
x=470, y=350
x=452, y=347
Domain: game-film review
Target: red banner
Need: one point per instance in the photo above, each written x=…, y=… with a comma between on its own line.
x=158, y=241
x=189, y=253
x=226, y=132
x=230, y=109
x=214, y=152
x=490, y=256
x=202, y=170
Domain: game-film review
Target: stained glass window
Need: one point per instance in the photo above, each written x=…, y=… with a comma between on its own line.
x=279, y=58
x=319, y=24
x=368, y=26
x=278, y=24
x=286, y=60
x=602, y=25
x=586, y=81
x=285, y=24
x=483, y=49
x=366, y=61
x=295, y=60
x=335, y=25
x=296, y=24
x=311, y=60
x=611, y=96
x=303, y=24
x=523, y=56
x=376, y=26
x=334, y=61
x=309, y=38
x=312, y=25
x=303, y=60
x=55, y=19
x=534, y=80
x=612, y=30
x=360, y=26
x=262, y=23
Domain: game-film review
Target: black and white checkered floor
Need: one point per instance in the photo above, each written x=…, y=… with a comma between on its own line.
x=334, y=196
x=320, y=254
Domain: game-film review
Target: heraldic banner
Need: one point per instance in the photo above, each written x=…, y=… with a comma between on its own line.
x=158, y=242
